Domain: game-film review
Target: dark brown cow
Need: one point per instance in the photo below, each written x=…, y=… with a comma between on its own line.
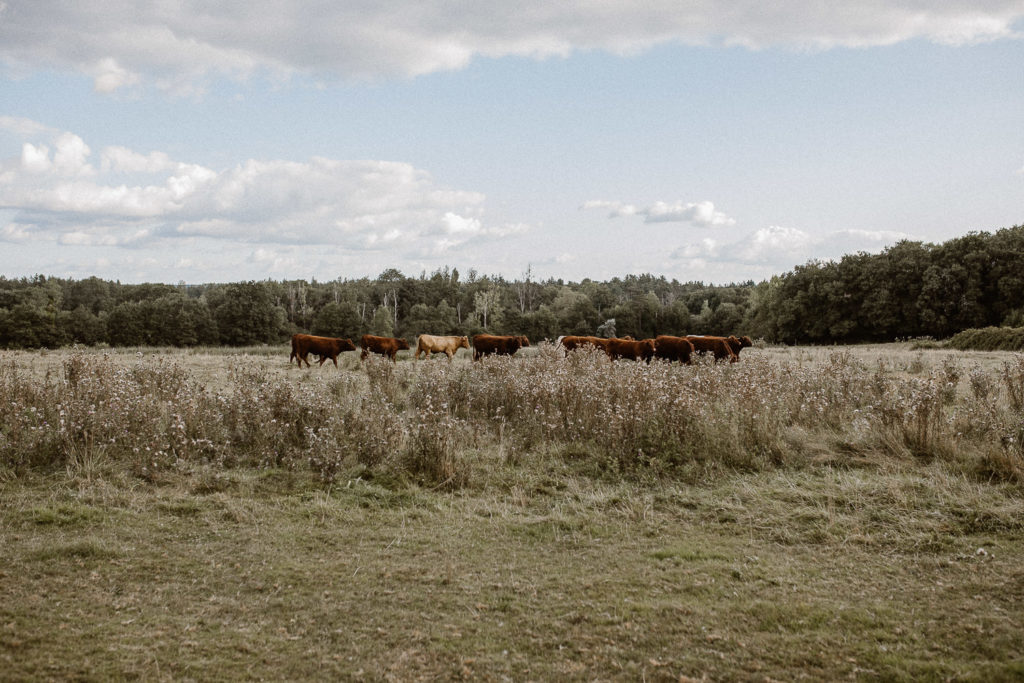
x=673, y=348
x=737, y=344
x=385, y=346
x=570, y=342
x=718, y=346
x=633, y=350
x=484, y=344
x=325, y=347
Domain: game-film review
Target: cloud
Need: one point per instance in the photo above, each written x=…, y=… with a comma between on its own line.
x=24, y=128
x=701, y=214
x=122, y=43
x=615, y=209
x=109, y=76
x=56, y=193
x=780, y=247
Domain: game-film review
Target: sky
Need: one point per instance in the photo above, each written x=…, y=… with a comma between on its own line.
x=170, y=141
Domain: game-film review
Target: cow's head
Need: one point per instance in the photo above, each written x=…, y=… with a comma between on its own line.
x=463, y=343
x=345, y=344
x=402, y=344
x=523, y=341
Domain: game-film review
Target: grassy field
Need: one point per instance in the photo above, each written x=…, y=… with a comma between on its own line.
x=806, y=513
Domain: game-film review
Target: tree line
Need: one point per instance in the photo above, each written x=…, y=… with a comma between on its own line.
x=911, y=289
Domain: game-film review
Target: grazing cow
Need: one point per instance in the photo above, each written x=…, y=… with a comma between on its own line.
x=385, y=346
x=737, y=344
x=628, y=348
x=484, y=344
x=718, y=346
x=324, y=347
x=673, y=348
x=447, y=345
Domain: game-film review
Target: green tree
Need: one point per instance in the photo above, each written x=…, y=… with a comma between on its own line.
x=246, y=314
x=382, y=323
x=338, y=320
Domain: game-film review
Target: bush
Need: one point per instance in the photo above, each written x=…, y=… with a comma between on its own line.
x=989, y=339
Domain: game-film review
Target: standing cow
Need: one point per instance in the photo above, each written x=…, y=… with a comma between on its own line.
x=673, y=348
x=631, y=349
x=385, y=346
x=430, y=343
x=718, y=346
x=737, y=344
x=570, y=342
x=484, y=344
x=325, y=347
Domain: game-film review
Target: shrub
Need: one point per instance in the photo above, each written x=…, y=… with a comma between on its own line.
x=988, y=339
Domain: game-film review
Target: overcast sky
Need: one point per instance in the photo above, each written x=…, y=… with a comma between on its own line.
x=169, y=141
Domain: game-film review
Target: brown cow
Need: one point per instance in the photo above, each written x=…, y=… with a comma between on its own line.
x=385, y=346
x=718, y=346
x=447, y=345
x=737, y=344
x=325, y=347
x=673, y=348
x=484, y=344
x=570, y=342
x=631, y=349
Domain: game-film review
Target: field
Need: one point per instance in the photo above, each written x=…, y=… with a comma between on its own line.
x=217, y=514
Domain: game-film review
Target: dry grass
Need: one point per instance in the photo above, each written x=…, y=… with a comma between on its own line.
x=807, y=512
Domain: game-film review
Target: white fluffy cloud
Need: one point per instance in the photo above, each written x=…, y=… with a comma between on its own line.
x=56, y=193
x=120, y=42
x=780, y=248
x=702, y=214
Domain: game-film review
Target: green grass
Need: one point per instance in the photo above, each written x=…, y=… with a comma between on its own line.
x=773, y=574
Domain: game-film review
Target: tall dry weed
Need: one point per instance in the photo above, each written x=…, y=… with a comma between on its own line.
x=426, y=419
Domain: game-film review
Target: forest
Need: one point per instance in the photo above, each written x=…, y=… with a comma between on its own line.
x=911, y=289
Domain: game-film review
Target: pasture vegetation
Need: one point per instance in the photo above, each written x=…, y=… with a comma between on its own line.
x=209, y=515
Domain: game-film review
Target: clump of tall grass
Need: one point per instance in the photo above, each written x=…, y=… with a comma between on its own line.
x=1013, y=378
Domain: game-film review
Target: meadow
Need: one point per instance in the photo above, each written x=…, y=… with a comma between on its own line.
x=219, y=514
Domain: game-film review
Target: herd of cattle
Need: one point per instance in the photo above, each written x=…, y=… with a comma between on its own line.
x=669, y=348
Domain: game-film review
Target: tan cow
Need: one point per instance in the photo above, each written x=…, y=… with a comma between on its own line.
x=430, y=343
